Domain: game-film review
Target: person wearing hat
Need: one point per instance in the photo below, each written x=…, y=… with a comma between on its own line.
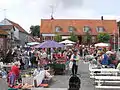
x=75, y=59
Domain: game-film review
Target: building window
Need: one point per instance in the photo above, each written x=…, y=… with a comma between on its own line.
x=86, y=29
x=58, y=28
x=71, y=28
x=100, y=29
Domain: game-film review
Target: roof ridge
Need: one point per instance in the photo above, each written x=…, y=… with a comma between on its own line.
x=11, y=21
x=85, y=19
x=17, y=26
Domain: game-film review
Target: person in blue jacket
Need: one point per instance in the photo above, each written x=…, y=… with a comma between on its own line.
x=105, y=58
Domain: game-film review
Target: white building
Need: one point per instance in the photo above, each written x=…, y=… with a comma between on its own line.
x=17, y=33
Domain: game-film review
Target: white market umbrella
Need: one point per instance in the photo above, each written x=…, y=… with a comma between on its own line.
x=102, y=44
x=67, y=42
x=109, y=52
x=32, y=43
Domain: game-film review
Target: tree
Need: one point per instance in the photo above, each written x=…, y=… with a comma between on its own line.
x=58, y=37
x=118, y=23
x=73, y=37
x=87, y=38
x=103, y=37
x=35, y=30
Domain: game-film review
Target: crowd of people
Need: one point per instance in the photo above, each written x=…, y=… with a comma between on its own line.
x=25, y=58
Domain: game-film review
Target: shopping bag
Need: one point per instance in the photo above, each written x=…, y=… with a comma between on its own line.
x=30, y=63
x=70, y=65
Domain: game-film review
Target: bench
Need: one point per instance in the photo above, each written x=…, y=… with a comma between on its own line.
x=107, y=77
x=104, y=70
x=99, y=82
x=96, y=77
x=107, y=81
x=107, y=73
x=108, y=87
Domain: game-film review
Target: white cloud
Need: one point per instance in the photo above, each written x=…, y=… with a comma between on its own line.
x=75, y=13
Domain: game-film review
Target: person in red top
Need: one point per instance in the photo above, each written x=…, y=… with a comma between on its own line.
x=13, y=75
x=15, y=69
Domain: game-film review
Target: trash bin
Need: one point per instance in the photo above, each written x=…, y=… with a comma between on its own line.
x=74, y=83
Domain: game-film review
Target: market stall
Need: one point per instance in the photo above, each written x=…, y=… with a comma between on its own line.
x=59, y=63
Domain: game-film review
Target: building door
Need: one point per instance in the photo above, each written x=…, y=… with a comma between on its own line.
x=80, y=39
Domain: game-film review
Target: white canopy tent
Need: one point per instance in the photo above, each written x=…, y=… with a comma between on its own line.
x=67, y=42
x=32, y=43
x=102, y=44
x=110, y=52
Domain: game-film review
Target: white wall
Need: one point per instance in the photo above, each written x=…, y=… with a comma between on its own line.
x=23, y=38
x=16, y=33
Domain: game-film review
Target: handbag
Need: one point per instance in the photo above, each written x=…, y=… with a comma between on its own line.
x=30, y=63
x=70, y=65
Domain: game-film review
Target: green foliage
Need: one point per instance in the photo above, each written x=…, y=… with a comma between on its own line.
x=58, y=37
x=35, y=30
x=73, y=37
x=118, y=23
x=103, y=37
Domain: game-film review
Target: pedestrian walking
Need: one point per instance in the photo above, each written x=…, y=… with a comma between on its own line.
x=75, y=59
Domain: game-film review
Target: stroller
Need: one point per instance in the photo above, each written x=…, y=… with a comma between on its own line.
x=74, y=83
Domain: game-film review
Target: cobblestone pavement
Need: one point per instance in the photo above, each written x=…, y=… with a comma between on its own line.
x=62, y=81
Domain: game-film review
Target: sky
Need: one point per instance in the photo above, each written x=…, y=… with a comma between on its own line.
x=30, y=12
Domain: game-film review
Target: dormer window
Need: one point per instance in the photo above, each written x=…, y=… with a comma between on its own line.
x=100, y=29
x=58, y=28
x=71, y=28
x=86, y=29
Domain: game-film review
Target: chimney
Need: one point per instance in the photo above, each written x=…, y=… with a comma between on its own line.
x=102, y=18
x=52, y=18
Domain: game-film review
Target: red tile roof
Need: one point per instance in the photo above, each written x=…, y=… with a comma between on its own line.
x=17, y=26
x=6, y=27
x=48, y=26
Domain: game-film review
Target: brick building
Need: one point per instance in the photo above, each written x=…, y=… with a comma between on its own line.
x=79, y=26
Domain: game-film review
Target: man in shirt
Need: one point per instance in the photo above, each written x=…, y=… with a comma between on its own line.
x=75, y=59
